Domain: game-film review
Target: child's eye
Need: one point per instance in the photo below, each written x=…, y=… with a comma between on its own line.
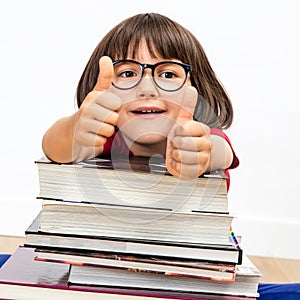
x=167, y=75
x=127, y=74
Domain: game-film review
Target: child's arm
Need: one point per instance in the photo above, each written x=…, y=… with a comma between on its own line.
x=83, y=134
x=191, y=149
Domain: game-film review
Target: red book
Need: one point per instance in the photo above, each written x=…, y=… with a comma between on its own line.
x=23, y=278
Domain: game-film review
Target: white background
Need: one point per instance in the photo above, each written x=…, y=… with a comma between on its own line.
x=254, y=49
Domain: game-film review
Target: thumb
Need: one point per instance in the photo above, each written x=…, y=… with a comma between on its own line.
x=186, y=112
x=106, y=71
x=187, y=106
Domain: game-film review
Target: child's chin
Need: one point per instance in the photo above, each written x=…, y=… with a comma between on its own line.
x=146, y=133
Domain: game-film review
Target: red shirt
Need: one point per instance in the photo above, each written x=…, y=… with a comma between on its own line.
x=116, y=144
x=235, y=161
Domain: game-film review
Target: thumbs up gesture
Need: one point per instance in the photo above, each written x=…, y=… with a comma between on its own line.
x=188, y=145
x=98, y=113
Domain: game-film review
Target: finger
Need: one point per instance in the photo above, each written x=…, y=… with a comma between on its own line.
x=169, y=159
x=176, y=167
x=188, y=105
x=191, y=143
x=98, y=140
x=109, y=101
x=101, y=128
x=89, y=139
x=106, y=71
x=92, y=110
x=185, y=171
x=103, y=114
x=192, y=128
x=190, y=157
x=111, y=118
x=106, y=130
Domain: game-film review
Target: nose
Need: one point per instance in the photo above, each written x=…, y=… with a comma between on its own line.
x=147, y=88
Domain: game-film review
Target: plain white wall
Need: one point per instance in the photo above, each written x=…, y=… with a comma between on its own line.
x=253, y=47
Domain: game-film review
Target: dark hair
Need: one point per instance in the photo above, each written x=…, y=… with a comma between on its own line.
x=169, y=40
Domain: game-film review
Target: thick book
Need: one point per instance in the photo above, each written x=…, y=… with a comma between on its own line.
x=136, y=181
x=231, y=253
x=134, y=223
x=141, y=263
x=245, y=283
x=23, y=278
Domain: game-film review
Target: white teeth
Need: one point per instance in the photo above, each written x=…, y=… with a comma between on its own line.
x=148, y=111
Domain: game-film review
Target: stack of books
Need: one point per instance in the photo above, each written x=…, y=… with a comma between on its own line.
x=129, y=229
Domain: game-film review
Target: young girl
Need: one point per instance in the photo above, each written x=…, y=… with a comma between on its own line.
x=148, y=88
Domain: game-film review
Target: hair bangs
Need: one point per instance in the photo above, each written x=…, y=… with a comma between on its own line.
x=157, y=32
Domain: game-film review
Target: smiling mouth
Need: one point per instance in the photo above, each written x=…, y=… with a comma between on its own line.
x=148, y=111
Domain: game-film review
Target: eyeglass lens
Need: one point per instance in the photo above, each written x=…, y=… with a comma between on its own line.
x=167, y=76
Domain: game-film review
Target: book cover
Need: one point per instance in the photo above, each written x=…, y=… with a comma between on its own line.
x=23, y=278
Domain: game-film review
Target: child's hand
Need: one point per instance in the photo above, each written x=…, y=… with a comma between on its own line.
x=188, y=146
x=99, y=111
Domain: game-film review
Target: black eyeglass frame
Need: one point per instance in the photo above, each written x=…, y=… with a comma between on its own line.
x=186, y=67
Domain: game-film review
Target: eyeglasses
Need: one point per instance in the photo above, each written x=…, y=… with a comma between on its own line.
x=169, y=76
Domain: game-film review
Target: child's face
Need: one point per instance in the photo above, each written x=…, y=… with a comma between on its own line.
x=148, y=113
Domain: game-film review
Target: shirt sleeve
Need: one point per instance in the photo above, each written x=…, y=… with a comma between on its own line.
x=219, y=132
x=235, y=161
x=115, y=144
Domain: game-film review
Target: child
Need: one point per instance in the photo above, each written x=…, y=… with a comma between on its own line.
x=138, y=95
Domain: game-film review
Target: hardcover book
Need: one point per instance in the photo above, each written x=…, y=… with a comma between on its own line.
x=23, y=278
x=137, y=182
x=134, y=223
x=231, y=253
x=245, y=283
x=141, y=263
